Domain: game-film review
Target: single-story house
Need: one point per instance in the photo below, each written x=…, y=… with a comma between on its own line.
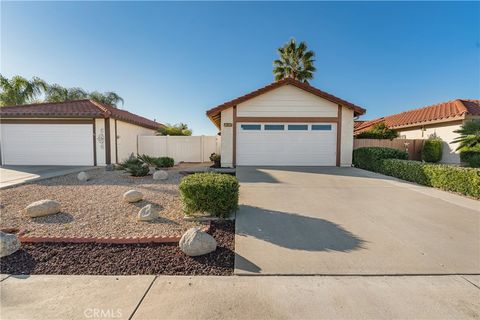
x=81, y=132
x=440, y=120
x=286, y=123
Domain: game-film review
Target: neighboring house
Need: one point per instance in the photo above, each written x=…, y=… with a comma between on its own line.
x=286, y=123
x=82, y=132
x=439, y=120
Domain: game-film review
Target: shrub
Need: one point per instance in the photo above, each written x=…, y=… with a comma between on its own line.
x=134, y=166
x=216, y=159
x=450, y=178
x=151, y=161
x=164, y=162
x=378, y=131
x=369, y=157
x=432, y=150
x=213, y=193
x=471, y=157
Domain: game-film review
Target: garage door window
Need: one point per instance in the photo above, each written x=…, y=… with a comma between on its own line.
x=274, y=127
x=325, y=127
x=297, y=127
x=251, y=127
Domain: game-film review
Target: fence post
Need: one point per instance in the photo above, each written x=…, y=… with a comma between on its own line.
x=202, y=146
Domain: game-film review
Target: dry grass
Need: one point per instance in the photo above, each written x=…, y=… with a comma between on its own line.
x=96, y=207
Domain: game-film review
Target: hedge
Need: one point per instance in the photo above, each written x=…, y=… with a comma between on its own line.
x=212, y=193
x=471, y=157
x=369, y=157
x=432, y=150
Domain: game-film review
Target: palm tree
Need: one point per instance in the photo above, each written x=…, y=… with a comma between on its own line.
x=295, y=62
x=57, y=93
x=110, y=98
x=18, y=90
x=469, y=135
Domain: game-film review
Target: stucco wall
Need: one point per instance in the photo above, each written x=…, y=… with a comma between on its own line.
x=126, y=138
x=100, y=141
x=442, y=130
x=287, y=101
x=346, y=145
x=226, y=146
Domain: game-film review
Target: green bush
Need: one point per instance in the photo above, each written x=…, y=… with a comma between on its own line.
x=164, y=162
x=216, y=159
x=378, y=131
x=471, y=157
x=213, y=193
x=134, y=166
x=450, y=178
x=432, y=150
x=369, y=157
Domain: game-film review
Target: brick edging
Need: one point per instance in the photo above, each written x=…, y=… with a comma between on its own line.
x=113, y=240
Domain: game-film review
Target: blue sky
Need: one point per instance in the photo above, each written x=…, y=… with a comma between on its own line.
x=173, y=61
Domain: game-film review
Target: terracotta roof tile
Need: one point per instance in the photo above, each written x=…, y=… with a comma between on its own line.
x=214, y=113
x=75, y=109
x=445, y=111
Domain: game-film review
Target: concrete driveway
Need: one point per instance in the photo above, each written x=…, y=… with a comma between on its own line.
x=16, y=175
x=339, y=221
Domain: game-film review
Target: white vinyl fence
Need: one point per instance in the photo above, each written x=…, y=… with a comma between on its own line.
x=180, y=148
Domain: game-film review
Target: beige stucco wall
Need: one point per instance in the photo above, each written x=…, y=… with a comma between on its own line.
x=287, y=101
x=226, y=147
x=126, y=138
x=100, y=141
x=346, y=145
x=442, y=130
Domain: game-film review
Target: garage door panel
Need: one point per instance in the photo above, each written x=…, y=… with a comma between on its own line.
x=47, y=144
x=286, y=147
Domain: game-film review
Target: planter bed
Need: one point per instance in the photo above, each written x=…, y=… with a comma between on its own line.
x=95, y=208
x=125, y=259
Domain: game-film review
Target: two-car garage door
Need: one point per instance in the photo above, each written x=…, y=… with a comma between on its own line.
x=289, y=144
x=47, y=144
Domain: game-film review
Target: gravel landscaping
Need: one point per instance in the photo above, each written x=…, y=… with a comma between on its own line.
x=110, y=259
x=95, y=208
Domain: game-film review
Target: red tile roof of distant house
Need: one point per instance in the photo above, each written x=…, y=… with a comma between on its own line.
x=442, y=112
x=75, y=109
x=214, y=113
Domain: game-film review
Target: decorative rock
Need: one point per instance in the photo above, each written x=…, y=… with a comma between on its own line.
x=110, y=167
x=147, y=213
x=42, y=208
x=133, y=196
x=9, y=243
x=196, y=242
x=83, y=176
x=160, y=175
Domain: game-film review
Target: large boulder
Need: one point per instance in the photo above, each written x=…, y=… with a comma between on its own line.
x=160, y=175
x=132, y=196
x=83, y=176
x=147, y=213
x=9, y=243
x=196, y=242
x=42, y=208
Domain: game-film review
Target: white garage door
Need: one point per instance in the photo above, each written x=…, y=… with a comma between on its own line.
x=289, y=144
x=47, y=144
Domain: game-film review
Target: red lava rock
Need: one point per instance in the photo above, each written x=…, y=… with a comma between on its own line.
x=123, y=259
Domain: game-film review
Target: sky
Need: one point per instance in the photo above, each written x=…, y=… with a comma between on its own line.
x=172, y=61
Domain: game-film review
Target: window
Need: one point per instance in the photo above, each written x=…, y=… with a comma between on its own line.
x=274, y=127
x=326, y=127
x=251, y=127
x=297, y=127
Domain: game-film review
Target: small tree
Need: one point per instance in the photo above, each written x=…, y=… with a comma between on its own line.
x=378, y=131
x=179, y=129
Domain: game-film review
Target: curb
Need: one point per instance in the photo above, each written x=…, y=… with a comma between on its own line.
x=103, y=240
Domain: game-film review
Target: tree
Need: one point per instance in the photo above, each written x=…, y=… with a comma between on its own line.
x=110, y=98
x=378, y=131
x=469, y=135
x=57, y=93
x=179, y=129
x=19, y=90
x=295, y=62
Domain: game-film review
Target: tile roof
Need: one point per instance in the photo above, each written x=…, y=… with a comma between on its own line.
x=442, y=112
x=214, y=113
x=75, y=109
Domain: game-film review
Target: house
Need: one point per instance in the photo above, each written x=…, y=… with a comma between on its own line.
x=440, y=120
x=82, y=132
x=286, y=123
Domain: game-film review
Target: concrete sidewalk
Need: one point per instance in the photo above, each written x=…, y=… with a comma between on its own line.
x=260, y=297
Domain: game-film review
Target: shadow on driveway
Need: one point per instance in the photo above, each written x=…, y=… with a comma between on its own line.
x=297, y=232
